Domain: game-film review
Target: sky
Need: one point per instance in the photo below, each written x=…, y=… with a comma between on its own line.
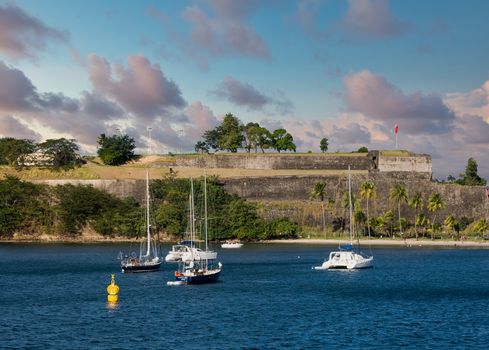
x=347, y=70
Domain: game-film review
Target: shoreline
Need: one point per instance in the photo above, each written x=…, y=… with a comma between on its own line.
x=408, y=243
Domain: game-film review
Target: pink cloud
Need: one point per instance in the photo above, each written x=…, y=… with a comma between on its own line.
x=474, y=102
x=12, y=127
x=141, y=88
x=22, y=35
x=244, y=94
x=372, y=18
x=227, y=30
x=375, y=97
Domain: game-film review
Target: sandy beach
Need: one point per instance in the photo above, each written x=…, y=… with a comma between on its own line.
x=390, y=242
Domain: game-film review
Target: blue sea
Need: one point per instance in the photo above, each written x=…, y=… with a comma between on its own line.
x=53, y=296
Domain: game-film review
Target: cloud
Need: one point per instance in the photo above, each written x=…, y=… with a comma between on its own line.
x=12, y=127
x=200, y=119
x=473, y=130
x=16, y=90
x=22, y=35
x=372, y=18
x=375, y=97
x=225, y=28
x=244, y=94
x=353, y=134
x=241, y=94
x=141, y=88
x=217, y=28
x=474, y=102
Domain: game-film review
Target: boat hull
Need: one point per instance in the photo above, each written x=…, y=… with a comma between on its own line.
x=141, y=268
x=231, y=245
x=209, y=277
x=346, y=260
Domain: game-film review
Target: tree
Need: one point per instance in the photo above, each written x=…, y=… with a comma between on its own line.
x=323, y=144
x=211, y=138
x=264, y=139
x=450, y=223
x=417, y=203
x=367, y=191
x=421, y=221
x=363, y=150
x=14, y=151
x=471, y=178
x=251, y=131
x=319, y=191
x=116, y=149
x=62, y=153
x=283, y=141
x=388, y=217
x=481, y=226
x=230, y=136
x=23, y=207
x=399, y=194
x=201, y=147
x=435, y=203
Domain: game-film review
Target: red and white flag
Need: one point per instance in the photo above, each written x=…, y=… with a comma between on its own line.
x=396, y=129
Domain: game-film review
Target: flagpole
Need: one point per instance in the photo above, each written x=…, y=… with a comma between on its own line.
x=396, y=130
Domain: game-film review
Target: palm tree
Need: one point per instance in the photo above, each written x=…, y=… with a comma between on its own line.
x=434, y=204
x=481, y=226
x=417, y=203
x=399, y=194
x=450, y=223
x=422, y=221
x=367, y=191
x=319, y=191
x=387, y=220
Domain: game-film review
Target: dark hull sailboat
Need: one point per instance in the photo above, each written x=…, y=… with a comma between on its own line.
x=136, y=267
x=199, y=278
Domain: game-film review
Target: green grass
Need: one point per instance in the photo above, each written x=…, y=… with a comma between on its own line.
x=395, y=153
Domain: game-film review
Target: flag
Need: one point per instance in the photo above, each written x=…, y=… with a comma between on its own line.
x=396, y=129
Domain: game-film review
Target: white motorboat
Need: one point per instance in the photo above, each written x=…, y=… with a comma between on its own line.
x=346, y=257
x=231, y=245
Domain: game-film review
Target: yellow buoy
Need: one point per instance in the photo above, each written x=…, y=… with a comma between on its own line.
x=113, y=290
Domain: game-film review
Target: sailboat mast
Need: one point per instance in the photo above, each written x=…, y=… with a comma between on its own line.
x=350, y=205
x=192, y=211
x=205, y=208
x=148, y=225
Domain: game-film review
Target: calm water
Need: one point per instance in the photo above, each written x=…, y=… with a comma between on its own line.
x=53, y=296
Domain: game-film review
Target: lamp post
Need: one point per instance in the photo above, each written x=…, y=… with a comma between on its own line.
x=149, y=143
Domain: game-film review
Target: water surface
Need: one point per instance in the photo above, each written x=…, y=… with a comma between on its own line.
x=54, y=297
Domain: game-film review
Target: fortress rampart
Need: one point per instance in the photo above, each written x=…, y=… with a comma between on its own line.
x=413, y=171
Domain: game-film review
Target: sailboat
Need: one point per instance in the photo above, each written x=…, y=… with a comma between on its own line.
x=148, y=259
x=198, y=266
x=346, y=257
x=187, y=249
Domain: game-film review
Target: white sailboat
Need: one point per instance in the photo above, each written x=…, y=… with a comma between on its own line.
x=187, y=250
x=346, y=257
x=198, y=266
x=148, y=259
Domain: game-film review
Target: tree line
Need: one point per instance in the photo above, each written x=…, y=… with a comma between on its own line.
x=425, y=221
x=232, y=135
x=67, y=210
